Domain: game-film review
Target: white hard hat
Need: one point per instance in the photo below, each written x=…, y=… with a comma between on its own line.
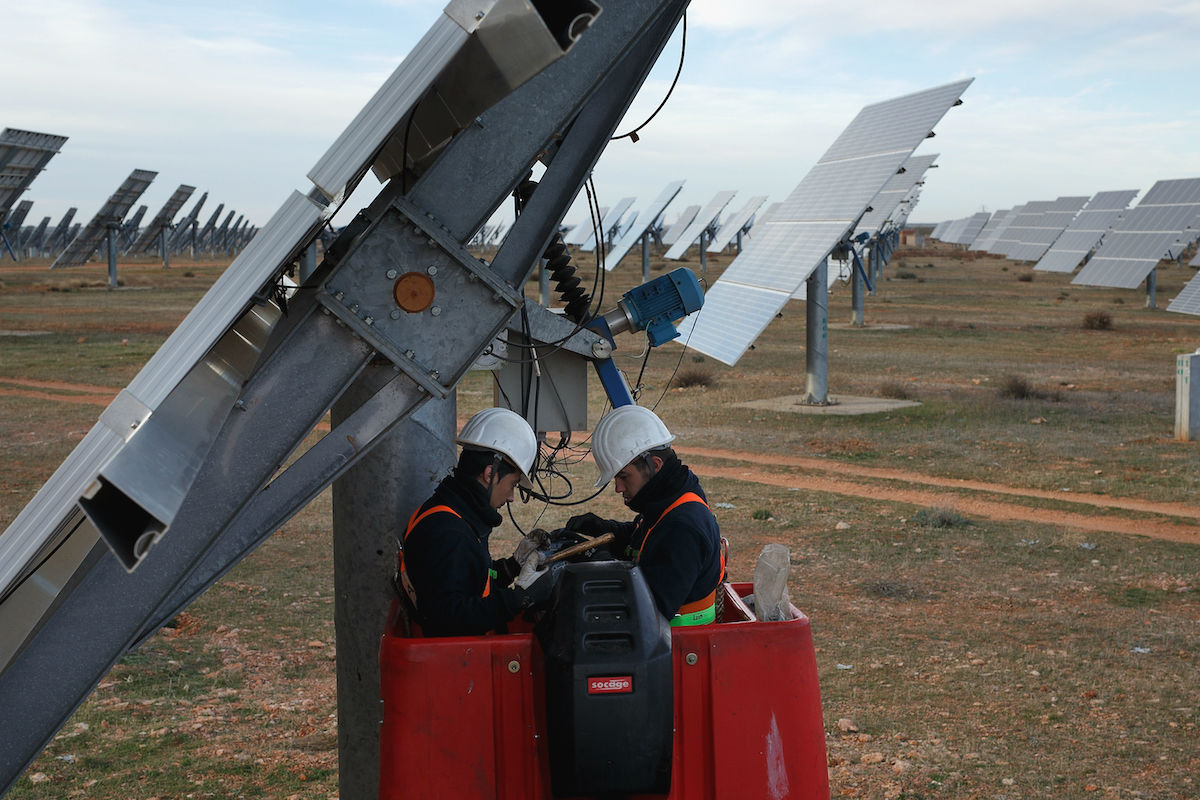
x=622, y=435
x=505, y=432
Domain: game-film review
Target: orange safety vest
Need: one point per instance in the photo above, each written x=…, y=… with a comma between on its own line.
x=413, y=521
x=695, y=610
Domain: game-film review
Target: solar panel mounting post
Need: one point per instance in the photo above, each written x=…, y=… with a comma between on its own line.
x=646, y=256
x=1151, y=288
x=816, y=337
x=114, y=230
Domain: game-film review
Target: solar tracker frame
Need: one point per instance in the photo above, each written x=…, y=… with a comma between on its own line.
x=23, y=156
x=163, y=218
x=1037, y=236
x=734, y=225
x=610, y=221
x=1188, y=299
x=819, y=213
x=1144, y=234
x=894, y=192
x=672, y=234
x=972, y=227
x=1085, y=231
x=631, y=236
x=111, y=213
x=703, y=219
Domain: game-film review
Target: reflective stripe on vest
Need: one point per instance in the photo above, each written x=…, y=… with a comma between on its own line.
x=413, y=521
x=697, y=612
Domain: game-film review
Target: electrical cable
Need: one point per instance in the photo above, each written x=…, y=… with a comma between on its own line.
x=633, y=134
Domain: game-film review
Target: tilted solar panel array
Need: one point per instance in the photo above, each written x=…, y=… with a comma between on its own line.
x=83, y=245
x=1085, y=231
x=707, y=216
x=736, y=222
x=1003, y=219
x=1144, y=235
x=630, y=237
x=894, y=192
x=824, y=208
x=1036, y=237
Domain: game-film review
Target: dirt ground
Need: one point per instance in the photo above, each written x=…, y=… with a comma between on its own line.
x=850, y=480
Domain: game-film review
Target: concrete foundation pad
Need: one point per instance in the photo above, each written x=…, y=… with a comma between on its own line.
x=841, y=405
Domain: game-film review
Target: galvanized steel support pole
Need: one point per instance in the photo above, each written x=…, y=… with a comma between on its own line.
x=856, y=296
x=704, y=251
x=112, y=256
x=1151, y=288
x=816, y=337
x=646, y=256
x=164, y=247
x=873, y=255
x=371, y=504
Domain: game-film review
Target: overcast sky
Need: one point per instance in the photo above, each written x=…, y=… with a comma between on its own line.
x=1071, y=97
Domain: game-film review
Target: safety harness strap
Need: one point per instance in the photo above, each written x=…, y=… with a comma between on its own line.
x=704, y=610
x=413, y=521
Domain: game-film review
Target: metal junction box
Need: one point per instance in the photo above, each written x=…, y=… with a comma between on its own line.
x=1187, y=397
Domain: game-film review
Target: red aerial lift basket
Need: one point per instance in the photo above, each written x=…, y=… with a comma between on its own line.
x=464, y=717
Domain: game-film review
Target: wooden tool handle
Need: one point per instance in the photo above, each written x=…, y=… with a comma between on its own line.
x=587, y=544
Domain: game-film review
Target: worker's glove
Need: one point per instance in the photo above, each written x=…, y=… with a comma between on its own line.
x=535, y=540
x=538, y=587
x=507, y=570
x=590, y=524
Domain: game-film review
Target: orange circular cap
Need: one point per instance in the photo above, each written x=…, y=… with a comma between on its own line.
x=413, y=292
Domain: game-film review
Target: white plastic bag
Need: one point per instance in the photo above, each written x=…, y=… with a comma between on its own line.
x=771, y=601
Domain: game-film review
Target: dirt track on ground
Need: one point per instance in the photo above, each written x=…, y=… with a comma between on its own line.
x=822, y=475
x=1182, y=523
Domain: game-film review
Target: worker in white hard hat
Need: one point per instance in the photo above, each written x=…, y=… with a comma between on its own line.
x=447, y=574
x=675, y=538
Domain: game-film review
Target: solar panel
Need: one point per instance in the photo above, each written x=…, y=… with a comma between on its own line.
x=584, y=230
x=672, y=234
x=823, y=208
x=1195, y=262
x=610, y=221
x=894, y=192
x=1140, y=238
x=700, y=223
x=1085, y=231
x=732, y=313
x=184, y=229
x=23, y=155
x=1035, y=237
x=989, y=241
x=972, y=227
x=162, y=219
x=734, y=225
x=634, y=233
x=1188, y=299
x=988, y=234
x=118, y=205
x=1029, y=216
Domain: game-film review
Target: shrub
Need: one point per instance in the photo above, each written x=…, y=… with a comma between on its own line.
x=895, y=390
x=692, y=377
x=906, y=276
x=939, y=517
x=760, y=514
x=1016, y=387
x=1097, y=321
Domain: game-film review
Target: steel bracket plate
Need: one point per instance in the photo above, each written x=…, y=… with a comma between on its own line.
x=434, y=344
